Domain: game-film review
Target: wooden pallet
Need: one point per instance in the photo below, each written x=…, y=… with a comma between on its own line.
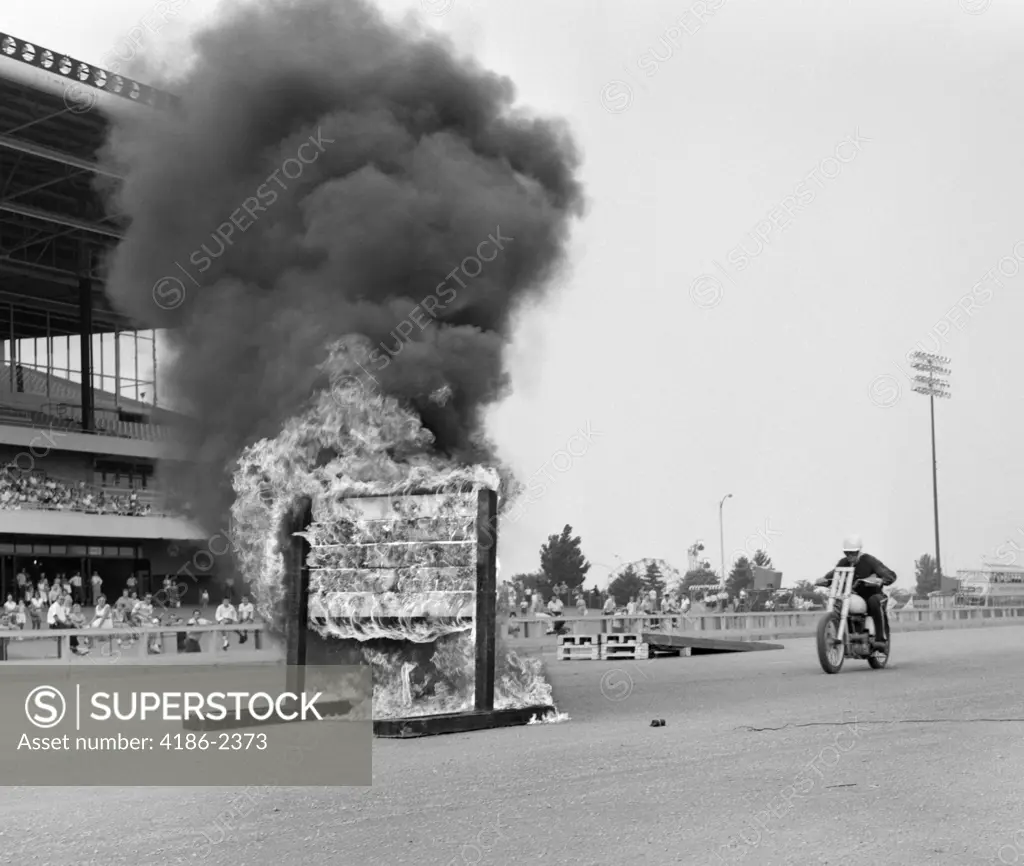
x=569, y=652
x=579, y=640
x=615, y=652
x=622, y=639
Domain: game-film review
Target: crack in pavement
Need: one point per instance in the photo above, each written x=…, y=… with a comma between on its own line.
x=874, y=722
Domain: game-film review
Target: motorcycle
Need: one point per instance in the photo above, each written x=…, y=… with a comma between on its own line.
x=847, y=630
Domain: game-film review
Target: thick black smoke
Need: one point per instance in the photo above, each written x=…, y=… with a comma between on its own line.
x=324, y=174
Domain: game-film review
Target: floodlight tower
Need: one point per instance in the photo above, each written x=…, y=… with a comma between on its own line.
x=721, y=535
x=931, y=369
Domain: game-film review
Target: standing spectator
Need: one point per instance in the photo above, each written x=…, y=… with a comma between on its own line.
x=97, y=587
x=246, y=613
x=20, y=615
x=10, y=606
x=76, y=588
x=581, y=605
x=631, y=607
x=204, y=598
x=555, y=608
x=609, y=606
x=36, y=608
x=524, y=607
x=132, y=584
x=226, y=615
x=55, y=592
x=24, y=584
x=43, y=586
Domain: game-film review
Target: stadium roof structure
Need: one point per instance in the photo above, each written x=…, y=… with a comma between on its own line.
x=54, y=115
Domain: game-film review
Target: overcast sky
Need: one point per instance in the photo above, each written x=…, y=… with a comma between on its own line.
x=782, y=206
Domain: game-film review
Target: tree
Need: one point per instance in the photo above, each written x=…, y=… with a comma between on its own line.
x=562, y=561
x=626, y=585
x=696, y=578
x=527, y=584
x=901, y=596
x=763, y=559
x=928, y=579
x=652, y=579
x=742, y=577
x=805, y=589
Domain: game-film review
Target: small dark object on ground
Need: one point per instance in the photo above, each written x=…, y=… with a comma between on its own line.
x=657, y=723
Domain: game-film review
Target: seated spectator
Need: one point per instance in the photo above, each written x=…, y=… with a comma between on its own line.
x=58, y=618
x=192, y=638
x=246, y=613
x=103, y=616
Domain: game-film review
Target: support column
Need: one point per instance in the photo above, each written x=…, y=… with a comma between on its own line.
x=117, y=368
x=154, y=369
x=14, y=347
x=296, y=602
x=49, y=359
x=85, y=344
x=484, y=623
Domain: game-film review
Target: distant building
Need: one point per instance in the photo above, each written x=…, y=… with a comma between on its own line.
x=991, y=585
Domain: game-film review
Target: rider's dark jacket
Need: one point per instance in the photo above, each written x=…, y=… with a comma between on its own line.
x=865, y=566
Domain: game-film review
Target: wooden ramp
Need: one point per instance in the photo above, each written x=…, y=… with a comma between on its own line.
x=668, y=642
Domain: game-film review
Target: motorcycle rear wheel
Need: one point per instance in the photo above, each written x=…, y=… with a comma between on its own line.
x=830, y=653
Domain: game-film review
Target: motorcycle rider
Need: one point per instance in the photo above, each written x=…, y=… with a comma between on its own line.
x=872, y=576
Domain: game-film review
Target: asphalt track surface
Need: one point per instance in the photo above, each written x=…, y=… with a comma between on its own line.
x=764, y=759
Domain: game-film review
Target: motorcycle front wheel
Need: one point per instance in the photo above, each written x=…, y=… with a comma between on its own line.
x=831, y=652
x=878, y=659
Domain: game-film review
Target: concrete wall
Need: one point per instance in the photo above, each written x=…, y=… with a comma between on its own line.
x=77, y=524
x=530, y=633
x=39, y=439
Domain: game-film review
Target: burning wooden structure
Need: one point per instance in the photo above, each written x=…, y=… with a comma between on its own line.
x=408, y=585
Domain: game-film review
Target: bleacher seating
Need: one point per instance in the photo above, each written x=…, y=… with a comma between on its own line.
x=21, y=490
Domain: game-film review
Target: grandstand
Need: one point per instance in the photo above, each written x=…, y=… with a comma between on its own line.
x=81, y=428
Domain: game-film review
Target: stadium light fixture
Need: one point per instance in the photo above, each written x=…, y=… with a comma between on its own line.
x=929, y=381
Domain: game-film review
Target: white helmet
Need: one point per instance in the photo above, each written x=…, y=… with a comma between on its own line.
x=852, y=544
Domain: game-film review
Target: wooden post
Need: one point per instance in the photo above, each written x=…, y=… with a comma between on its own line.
x=486, y=597
x=296, y=581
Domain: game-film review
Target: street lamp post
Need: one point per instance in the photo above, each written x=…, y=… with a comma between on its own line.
x=721, y=533
x=930, y=382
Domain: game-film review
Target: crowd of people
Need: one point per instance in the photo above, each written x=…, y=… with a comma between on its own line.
x=651, y=602
x=62, y=606
x=33, y=490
